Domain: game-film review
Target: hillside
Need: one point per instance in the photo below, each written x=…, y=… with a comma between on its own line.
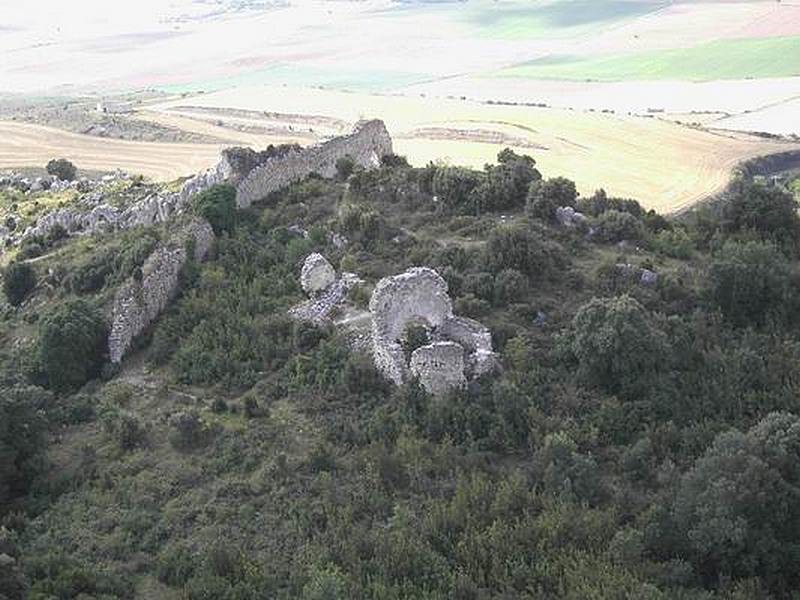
x=638, y=438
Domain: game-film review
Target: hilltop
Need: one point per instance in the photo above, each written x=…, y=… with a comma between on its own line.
x=636, y=438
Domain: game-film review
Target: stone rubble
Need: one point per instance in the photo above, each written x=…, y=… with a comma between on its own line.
x=317, y=274
x=569, y=217
x=326, y=292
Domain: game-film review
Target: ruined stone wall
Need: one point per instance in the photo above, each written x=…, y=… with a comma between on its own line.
x=419, y=293
x=461, y=348
x=139, y=301
x=476, y=339
x=368, y=143
x=439, y=366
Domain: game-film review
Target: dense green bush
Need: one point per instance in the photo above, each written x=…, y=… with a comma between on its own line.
x=544, y=197
x=72, y=345
x=617, y=343
x=737, y=509
x=750, y=283
x=616, y=226
x=506, y=184
x=525, y=249
x=767, y=212
x=19, y=279
x=453, y=186
x=23, y=439
x=62, y=168
x=217, y=205
x=345, y=167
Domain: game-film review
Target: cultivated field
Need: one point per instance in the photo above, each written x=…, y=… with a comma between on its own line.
x=33, y=145
x=664, y=165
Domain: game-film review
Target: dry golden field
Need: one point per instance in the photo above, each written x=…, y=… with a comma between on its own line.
x=664, y=165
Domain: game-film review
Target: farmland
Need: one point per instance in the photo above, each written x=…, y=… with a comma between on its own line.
x=721, y=59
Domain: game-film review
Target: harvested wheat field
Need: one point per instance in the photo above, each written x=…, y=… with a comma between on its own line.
x=24, y=145
x=664, y=165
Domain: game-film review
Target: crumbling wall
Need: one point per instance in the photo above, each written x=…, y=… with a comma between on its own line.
x=461, y=348
x=368, y=143
x=439, y=366
x=140, y=300
x=419, y=293
x=476, y=339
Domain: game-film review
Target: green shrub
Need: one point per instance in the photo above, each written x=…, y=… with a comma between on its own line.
x=345, y=167
x=616, y=226
x=510, y=286
x=544, y=197
x=72, y=345
x=23, y=438
x=750, y=282
x=524, y=249
x=217, y=205
x=617, y=344
x=19, y=280
x=453, y=187
x=62, y=168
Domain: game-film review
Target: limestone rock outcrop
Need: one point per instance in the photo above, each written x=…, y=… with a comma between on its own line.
x=140, y=300
x=420, y=295
x=317, y=274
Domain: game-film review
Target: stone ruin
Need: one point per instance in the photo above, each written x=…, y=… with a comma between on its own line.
x=461, y=348
x=326, y=291
x=369, y=142
x=254, y=174
x=140, y=300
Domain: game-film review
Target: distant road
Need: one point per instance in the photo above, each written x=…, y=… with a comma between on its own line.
x=25, y=144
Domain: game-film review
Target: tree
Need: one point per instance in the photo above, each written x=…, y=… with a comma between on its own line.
x=544, y=197
x=23, y=437
x=18, y=281
x=62, y=168
x=525, y=249
x=506, y=184
x=217, y=205
x=72, y=345
x=749, y=282
x=454, y=185
x=738, y=509
x=767, y=211
x=615, y=226
x=617, y=345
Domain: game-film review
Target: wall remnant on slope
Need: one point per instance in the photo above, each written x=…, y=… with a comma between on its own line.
x=140, y=300
x=255, y=174
x=369, y=142
x=439, y=367
x=420, y=294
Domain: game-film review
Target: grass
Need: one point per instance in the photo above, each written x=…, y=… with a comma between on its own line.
x=721, y=59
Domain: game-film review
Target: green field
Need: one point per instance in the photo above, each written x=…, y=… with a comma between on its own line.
x=723, y=59
x=301, y=75
x=545, y=19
